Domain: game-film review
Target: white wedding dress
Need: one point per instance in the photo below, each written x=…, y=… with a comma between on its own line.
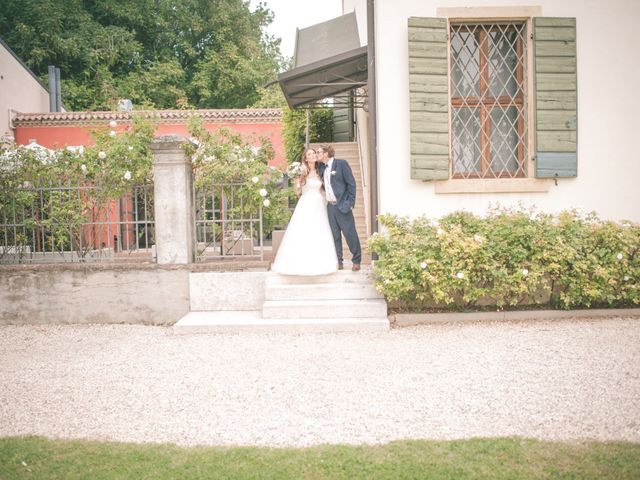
x=307, y=247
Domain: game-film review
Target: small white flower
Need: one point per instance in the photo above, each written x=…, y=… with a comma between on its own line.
x=266, y=203
x=112, y=133
x=242, y=159
x=130, y=148
x=102, y=155
x=295, y=164
x=26, y=184
x=255, y=150
x=83, y=167
x=387, y=281
x=525, y=272
x=478, y=238
x=127, y=175
x=620, y=256
x=263, y=192
x=423, y=265
x=113, y=124
x=460, y=275
x=439, y=231
x=272, y=167
x=626, y=278
x=255, y=179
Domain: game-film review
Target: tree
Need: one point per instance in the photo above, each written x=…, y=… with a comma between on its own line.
x=158, y=53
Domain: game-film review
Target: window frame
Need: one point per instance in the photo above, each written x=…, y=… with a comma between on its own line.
x=486, y=102
x=527, y=183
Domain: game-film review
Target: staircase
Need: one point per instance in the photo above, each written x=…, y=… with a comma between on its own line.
x=343, y=301
x=349, y=151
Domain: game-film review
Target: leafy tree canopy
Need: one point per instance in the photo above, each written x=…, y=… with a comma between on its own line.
x=158, y=53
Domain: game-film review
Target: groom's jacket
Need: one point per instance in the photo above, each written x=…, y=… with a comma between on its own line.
x=343, y=184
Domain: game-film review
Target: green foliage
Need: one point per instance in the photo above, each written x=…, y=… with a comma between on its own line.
x=295, y=121
x=224, y=158
x=510, y=258
x=72, y=185
x=158, y=53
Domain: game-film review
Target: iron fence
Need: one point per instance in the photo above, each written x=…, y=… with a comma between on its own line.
x=226, y=223
x=52, y=222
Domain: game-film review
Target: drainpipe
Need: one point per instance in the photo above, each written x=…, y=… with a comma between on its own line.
x=52, y=88
x=373, y=136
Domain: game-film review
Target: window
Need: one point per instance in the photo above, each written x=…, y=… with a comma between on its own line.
x=492, y=102
x=488, y=100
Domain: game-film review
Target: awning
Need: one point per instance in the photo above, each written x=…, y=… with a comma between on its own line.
x=328, y=60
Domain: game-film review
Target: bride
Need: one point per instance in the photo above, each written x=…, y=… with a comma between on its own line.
x=307, y=247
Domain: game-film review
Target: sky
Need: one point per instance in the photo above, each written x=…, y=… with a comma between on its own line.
x=292, y=14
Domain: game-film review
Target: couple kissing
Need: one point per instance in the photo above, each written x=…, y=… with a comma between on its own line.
x=312, y=243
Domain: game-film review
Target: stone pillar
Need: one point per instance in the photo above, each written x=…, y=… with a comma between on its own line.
x=173, y=200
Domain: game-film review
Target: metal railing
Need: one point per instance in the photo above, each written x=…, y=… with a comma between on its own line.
x=53, y=222
x=226, y=225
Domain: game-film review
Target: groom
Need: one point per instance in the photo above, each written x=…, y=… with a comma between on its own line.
x=340, y=188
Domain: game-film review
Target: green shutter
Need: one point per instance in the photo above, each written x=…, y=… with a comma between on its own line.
x=556, y=103
x=429, y=98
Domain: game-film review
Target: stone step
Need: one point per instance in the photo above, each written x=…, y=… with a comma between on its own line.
x=322, y=291
x=294, y=309
x=252, y=321
x=346, y=276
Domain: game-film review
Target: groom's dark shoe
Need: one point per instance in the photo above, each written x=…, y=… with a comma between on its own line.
x=340, y=266
x=356, y=267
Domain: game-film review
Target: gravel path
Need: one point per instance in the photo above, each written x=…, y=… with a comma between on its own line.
x=558, y=380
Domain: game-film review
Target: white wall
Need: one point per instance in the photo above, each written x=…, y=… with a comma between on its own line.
x=608, y=110
x=19, y=90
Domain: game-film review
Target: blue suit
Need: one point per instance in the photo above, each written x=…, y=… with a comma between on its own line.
x=340, y=214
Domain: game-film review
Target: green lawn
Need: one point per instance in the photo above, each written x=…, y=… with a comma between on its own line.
x=513, y=458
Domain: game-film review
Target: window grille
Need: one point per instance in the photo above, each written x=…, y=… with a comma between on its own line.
x=488, y=100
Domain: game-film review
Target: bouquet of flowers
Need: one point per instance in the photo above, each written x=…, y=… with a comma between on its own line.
x=296, y=170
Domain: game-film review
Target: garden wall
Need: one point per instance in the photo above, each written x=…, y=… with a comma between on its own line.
x=65, y=294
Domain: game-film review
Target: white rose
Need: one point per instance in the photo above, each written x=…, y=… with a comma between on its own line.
x=255, y=179
x=127, y=175
x=83, y=167
x=130, y=148
x=525, y=272
x=460, y=275
x=102, y=155
x=439, y=231
x=620, y=256
x=266, y=203
x=113, y=124
x=626, y=278
x=263, y=192
x=112, y=133
x=423, y=265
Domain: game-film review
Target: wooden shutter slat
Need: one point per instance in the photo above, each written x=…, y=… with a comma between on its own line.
x=429, y=98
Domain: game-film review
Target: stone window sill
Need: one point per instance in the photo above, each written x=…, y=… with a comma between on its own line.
x=493, y=185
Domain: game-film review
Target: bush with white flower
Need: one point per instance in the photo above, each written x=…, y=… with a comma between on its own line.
x=105, y=171
x=223, y=157
x=510, y=258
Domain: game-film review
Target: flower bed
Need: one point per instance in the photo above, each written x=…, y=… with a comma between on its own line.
x=510, y=258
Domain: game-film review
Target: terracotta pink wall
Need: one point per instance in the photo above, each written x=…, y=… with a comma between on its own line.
x=52, y=136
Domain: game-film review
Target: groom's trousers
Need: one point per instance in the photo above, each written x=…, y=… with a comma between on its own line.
x=344, y=224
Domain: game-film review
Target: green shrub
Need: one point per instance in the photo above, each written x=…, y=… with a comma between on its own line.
x=295, y=121
x=510, y=258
